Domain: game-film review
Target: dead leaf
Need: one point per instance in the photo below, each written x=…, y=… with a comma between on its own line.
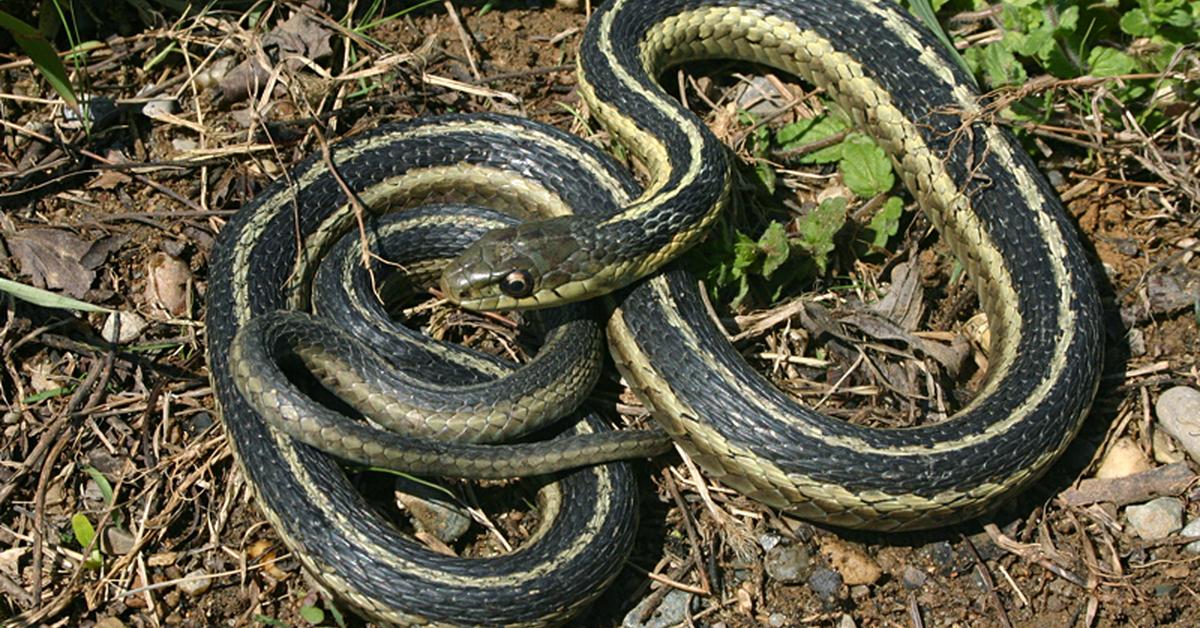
x=903, y=304
x=51, y=259
x=297, y=39
x=109, y=180
x=167, y=285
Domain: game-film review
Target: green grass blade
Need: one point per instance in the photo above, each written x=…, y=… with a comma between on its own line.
x=45, y=298
x=924, y=12
x=43, y=55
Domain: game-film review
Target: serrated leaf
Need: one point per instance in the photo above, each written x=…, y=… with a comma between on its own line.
x=312, y=614
x=999, y=65
x=745, y=254
x=774, y=245
x=886, y=222
x=1104, y=61
x=1035, y=44
x=866, y=169
x=1180, y=19
x=1068, y=20
x=766, y=175
x=817, y=229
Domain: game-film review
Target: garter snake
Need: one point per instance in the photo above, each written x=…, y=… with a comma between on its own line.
x=974, y=182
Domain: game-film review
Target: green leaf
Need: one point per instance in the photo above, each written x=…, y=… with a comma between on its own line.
x=1068, y=20
x=866, y=169
x=44, y=56
x=1104, y=61
x=106, y=490
x=337, y=615
x=766, y=174
x=82, y=527
x=312, y=614
x=886, y=222
x=999, y=65
x=48, y=394
x=45, y=298
x=102, y=482
x=1180, y=19
x=745, y=254
x=270, y=621
x=775, y=248
x=84, y=535
x=818, y=227
x=1037, y=43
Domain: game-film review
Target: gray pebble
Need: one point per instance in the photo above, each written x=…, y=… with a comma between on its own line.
x=1178, y=412
x=670, y=612
x=120, y=542
x=777, y=620
x=941, y=554
x=1191, y=529
x=789, y=564
x=1157, y=518
x=847, y=622
x=913, y=578
x=826, y=583
x=769, y=541
x=195, y=583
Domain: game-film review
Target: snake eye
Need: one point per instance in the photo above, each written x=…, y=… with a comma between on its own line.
x=518, y=284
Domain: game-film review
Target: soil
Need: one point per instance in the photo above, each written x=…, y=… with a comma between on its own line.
x=80, y=220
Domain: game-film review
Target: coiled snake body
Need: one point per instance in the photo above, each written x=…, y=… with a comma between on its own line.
x=976, y=185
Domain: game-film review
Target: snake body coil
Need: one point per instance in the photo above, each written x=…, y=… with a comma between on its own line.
x=978, y=188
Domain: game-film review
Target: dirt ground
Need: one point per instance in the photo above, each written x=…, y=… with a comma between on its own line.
x=124, y=443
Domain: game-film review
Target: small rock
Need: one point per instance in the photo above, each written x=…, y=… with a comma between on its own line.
x=777, y=620
x=195, y=583
x=1156, y=518
x=1123, y=459
x=109, y=622
x=184, y=144
x=913, y=578
x=1165, y=451
x=1178, y=411
x=847, y=622
x=789, y=564
x=104, y=462
x=769, y=541
x=122, y=327
x=120, y=542
x=941, y=554
x=826, y=583
x=1163, y=590
x=860, y=592
x=670, y=612
x=855, y=565
x=1191, y=529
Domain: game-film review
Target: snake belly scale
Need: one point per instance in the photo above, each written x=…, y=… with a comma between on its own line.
x=974, y=182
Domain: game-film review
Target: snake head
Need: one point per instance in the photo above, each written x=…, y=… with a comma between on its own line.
x=531, y=265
